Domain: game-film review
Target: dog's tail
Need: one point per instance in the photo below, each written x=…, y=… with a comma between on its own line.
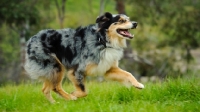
x=58, y=61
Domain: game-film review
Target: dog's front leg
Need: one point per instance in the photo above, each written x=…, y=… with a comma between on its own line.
x=122, y=76
x=78, y=82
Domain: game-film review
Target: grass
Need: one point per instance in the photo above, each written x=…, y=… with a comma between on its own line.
x=180, y=95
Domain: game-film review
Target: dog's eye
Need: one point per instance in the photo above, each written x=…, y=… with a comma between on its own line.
x=122, y=21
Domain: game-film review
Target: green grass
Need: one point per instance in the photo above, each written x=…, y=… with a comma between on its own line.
x=180, y=95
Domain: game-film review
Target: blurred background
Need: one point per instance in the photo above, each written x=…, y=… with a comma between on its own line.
x=166, y=42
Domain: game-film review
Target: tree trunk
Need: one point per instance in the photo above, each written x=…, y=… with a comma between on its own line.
x=22, y=74
x=120, y=7
x=102, y=5
x=61, y=12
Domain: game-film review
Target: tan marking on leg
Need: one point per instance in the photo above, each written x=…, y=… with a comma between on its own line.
x=47, y=87
x=57, y=87
x=57, y=81
x=78, y=91
x=122, y=76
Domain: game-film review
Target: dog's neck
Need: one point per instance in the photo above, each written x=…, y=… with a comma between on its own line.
x=117, y=43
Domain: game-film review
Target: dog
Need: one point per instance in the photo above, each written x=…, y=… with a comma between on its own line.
x=91, y=50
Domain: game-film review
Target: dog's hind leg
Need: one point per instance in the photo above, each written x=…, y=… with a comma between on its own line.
x=47, y=87
x=78, y=84
x=122, y=76
x=57, y=81
x=57, y=87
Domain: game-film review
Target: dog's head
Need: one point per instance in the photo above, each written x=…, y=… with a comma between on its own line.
x=117, y=25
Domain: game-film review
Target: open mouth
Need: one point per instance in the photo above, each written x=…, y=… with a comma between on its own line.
x=125, y=33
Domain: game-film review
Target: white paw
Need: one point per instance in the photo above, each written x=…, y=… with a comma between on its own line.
x=140, y=86
x=73, y=97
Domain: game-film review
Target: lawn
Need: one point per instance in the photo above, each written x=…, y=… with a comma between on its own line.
x=172, y=95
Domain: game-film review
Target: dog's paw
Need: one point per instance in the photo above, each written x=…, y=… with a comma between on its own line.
x=79, y=94
x=72, y=97
x=139, y=86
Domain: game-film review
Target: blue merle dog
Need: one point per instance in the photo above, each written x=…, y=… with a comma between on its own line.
x=91, y=50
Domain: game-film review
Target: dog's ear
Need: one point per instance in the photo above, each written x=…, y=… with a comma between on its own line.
x=104, y=21
x=103, y=18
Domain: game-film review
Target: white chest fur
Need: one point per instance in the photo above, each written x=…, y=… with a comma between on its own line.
x=108, y=58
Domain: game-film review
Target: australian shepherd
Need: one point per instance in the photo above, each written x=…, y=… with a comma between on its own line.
x=91, y=50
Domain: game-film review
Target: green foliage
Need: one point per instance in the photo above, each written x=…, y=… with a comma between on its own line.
x=9, y=46
x=171, y=95
x=177, y=20
x=18, y=11
x=167, y=31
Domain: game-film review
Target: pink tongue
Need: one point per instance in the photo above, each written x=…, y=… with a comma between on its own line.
x=125, y=33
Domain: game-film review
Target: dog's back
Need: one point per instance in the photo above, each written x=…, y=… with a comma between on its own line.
x=39, y=63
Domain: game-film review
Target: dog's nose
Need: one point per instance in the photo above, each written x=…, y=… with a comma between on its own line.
x=134, y=24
